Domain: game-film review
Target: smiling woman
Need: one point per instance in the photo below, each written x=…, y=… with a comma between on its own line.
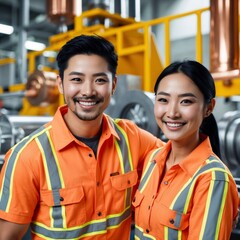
x=186, y=192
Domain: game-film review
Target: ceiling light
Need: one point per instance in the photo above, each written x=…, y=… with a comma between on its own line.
x=6, y=29
x=35, y=46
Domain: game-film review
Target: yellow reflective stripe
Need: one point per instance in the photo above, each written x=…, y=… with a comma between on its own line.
x=47, y=175
x=56, y=159
x=119, y=155
x=222, y=206
x=165, y=233
x=23, y=142
x=146, y=174
x=44, y=163
x=127, y=143
x=207, y=206
x=92, y=228
x=148, y=236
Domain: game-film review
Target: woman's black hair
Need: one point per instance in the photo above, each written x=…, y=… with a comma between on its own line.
x=204, y=81
x=88, y=45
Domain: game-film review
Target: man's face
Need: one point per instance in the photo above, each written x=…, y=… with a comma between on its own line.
x=87, y=86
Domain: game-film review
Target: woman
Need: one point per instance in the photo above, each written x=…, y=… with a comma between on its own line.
x=186, y=192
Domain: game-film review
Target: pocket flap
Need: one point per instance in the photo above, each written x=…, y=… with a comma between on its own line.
x=137, y=199
x=63, y=196
x=124, y=181
x=173, y=219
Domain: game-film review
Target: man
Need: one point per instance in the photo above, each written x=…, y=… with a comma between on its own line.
x=74, y=177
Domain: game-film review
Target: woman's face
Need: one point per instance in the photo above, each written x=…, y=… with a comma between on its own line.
x=179, y=108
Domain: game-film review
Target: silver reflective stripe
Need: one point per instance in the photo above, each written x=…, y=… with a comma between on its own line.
x=126, y=156
x=148, y=172
x=139, y=234
x=214, y=207
x=182, y=201
x=91, y=228
x=7, y=181
x=53, y=175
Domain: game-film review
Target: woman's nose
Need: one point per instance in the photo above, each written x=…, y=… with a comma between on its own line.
x=173, y=110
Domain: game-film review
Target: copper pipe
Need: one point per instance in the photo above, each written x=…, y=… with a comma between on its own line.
x=224, y=40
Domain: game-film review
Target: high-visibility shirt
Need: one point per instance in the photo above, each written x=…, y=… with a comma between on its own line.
x=195, y=199
x=53, y=181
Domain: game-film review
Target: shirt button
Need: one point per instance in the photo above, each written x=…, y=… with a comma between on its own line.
x=149, y=207
x=90, y=155
x=128, y=181
x=147, y=231
x=171, y=221
x=61, y=199
x=99, y=214
x=165, y=183
x=98, y=184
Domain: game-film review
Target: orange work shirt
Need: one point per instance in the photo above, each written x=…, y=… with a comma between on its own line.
x=195, y=199
x=53, y=181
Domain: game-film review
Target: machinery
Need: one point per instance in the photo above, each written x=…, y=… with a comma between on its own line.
x=140, y=63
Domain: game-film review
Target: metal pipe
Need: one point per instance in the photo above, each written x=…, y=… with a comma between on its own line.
x=224, y=40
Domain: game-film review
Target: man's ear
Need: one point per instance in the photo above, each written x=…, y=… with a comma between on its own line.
x=114, y=85
x=59, y=84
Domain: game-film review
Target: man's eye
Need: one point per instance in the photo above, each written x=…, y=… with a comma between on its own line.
x=76, y=79
x=162, y=100
x=101, y=80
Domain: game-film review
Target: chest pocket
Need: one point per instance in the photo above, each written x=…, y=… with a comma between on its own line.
x=72, y=199
x=170, y=218
x=122, y=186
x=124, y=181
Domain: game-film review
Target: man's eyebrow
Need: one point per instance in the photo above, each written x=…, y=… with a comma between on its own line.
x=76, y=73
x=82, y=74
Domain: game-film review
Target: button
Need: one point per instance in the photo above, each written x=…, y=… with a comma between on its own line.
x=149, y=207
x=153, y=197
x=90, y=155
x=61, y=199
x=99, y=214
x=147, y=231
x=128, y=181
x=98, y=184
x=165, y=183
x=171, y=221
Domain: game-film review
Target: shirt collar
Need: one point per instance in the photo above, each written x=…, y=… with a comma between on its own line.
x=62, y=135
x=193, y=161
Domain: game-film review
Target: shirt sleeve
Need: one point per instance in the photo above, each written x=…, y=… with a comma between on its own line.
x=19, y=191
x=215, y=204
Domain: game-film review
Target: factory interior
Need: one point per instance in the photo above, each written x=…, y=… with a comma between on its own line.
x=148, y=35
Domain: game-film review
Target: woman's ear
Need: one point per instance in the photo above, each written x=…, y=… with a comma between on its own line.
x=210, y=107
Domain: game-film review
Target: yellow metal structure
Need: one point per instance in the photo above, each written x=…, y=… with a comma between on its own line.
x=136, y=47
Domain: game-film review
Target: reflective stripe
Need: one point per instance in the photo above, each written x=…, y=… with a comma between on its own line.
x=6, y=188
x=149, y=170
x=55, y=182
x=218, y=190
x=124, y=155
x=214, y=208
x=58, y=229
x=139, y=234
x=91, y=228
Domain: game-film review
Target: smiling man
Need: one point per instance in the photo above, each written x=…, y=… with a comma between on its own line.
x=74, y=177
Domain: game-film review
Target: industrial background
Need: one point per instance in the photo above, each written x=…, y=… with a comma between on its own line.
x=147, y=34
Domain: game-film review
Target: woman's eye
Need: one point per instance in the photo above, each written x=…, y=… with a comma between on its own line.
x=186, y=101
